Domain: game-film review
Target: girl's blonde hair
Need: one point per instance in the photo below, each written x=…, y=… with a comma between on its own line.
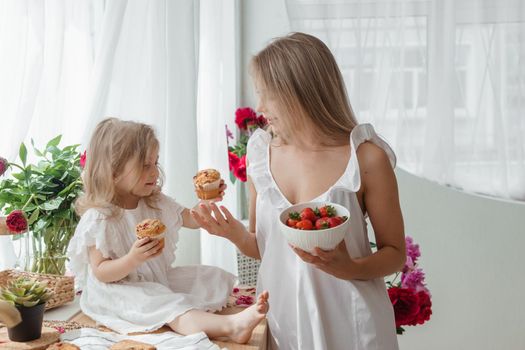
x=113, y=144
x=300, y=73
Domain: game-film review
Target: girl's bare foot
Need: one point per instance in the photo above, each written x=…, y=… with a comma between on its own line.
x=244, y=322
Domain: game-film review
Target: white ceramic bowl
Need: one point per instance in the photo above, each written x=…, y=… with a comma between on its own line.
x=307, y=240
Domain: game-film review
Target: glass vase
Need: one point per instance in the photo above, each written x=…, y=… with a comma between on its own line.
x=44, y=251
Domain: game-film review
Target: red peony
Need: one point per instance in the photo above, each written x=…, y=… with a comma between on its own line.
x=261, y=121
x=425, y=307
x=406, y=305
x=83, y=160
x=3, y=165
x=16, y=221
x=240, y=171
x=244, y=117
x=233, y=161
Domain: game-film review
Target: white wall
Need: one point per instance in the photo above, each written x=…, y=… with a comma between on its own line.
x=470, y=245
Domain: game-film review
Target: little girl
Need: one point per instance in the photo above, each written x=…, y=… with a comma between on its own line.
x=316, y=151
x=127, y=284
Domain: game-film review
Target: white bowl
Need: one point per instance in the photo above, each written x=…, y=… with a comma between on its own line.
x=307, y=240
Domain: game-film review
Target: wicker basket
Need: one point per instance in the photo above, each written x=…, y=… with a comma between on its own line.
x=248, y=268
x=63, y=287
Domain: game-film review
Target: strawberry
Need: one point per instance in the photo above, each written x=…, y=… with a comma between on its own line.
x=325, y=211
x=304, y=225
x=335, y=221
x=322, y=223
x=294, y=215
x=291, y=222
x=308, y=214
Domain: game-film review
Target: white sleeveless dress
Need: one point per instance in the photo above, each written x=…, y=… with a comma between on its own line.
x=156, y=293
x=310, y=309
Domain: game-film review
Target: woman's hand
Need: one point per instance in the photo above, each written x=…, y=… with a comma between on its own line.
x=144, y=249
x=337, y=262
x=218, y=222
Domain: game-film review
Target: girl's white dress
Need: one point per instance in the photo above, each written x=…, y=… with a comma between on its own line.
x=310, y=309
x=156, y=293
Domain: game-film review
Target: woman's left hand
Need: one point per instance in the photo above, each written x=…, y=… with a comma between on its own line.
x=337, y=262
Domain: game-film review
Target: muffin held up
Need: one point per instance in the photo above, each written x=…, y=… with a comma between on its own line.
x=207, y=184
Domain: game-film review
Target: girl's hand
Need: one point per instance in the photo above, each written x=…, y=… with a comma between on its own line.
x=220, y=223
x=337, y=262
x=144, y=249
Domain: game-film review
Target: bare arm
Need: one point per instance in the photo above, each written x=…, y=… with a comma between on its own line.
x=381, y=200
x=223, y=224
x=112, y=270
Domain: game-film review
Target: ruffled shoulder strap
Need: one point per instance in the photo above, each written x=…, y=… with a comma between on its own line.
x=90, y=231
x=360, y=134
x=257, y=155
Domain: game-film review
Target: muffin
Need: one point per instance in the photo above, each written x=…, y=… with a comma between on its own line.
x=63, y=346
x=207, y=183
x=152, y=228
x=131, y=345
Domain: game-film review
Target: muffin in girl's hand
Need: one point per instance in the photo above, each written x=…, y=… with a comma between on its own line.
x=207, y=184
x=152, y=228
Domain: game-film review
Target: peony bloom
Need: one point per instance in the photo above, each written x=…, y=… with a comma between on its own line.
x=244, y=117
x=83, y=160
x=240, y=171
x=261, y=121
x=413, y=279
x=233, y=161
x=4, y=164
x=406, y=305
x=425, y=307
x=16, y=221
x=412, y=249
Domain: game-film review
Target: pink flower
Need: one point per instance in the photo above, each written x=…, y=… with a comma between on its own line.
x=60, y=330
x=412, y=249
x=16, y=221
x=414, y=279
x=229, y=134
x=83, y=160
x=243, y=116
x=4, y=164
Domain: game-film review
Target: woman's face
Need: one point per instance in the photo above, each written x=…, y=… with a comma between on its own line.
x=269, y=107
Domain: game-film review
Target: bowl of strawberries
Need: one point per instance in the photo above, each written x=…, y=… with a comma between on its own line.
x=315, y=224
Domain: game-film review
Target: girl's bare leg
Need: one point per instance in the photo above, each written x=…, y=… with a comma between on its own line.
x=238, y=327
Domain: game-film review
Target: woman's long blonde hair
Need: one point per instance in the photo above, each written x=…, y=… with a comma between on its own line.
x=113, y=144
x=301, y=74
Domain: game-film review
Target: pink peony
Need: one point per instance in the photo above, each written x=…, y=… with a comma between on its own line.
x=414, y=279
x=4, y=164
x=412, y=249
x=16, y=221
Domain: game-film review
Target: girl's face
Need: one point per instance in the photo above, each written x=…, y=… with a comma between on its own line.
x=132, y=184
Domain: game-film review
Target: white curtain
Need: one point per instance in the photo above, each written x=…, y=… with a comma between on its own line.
x=442, y=80
x=65, y=65
x=219, y=62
